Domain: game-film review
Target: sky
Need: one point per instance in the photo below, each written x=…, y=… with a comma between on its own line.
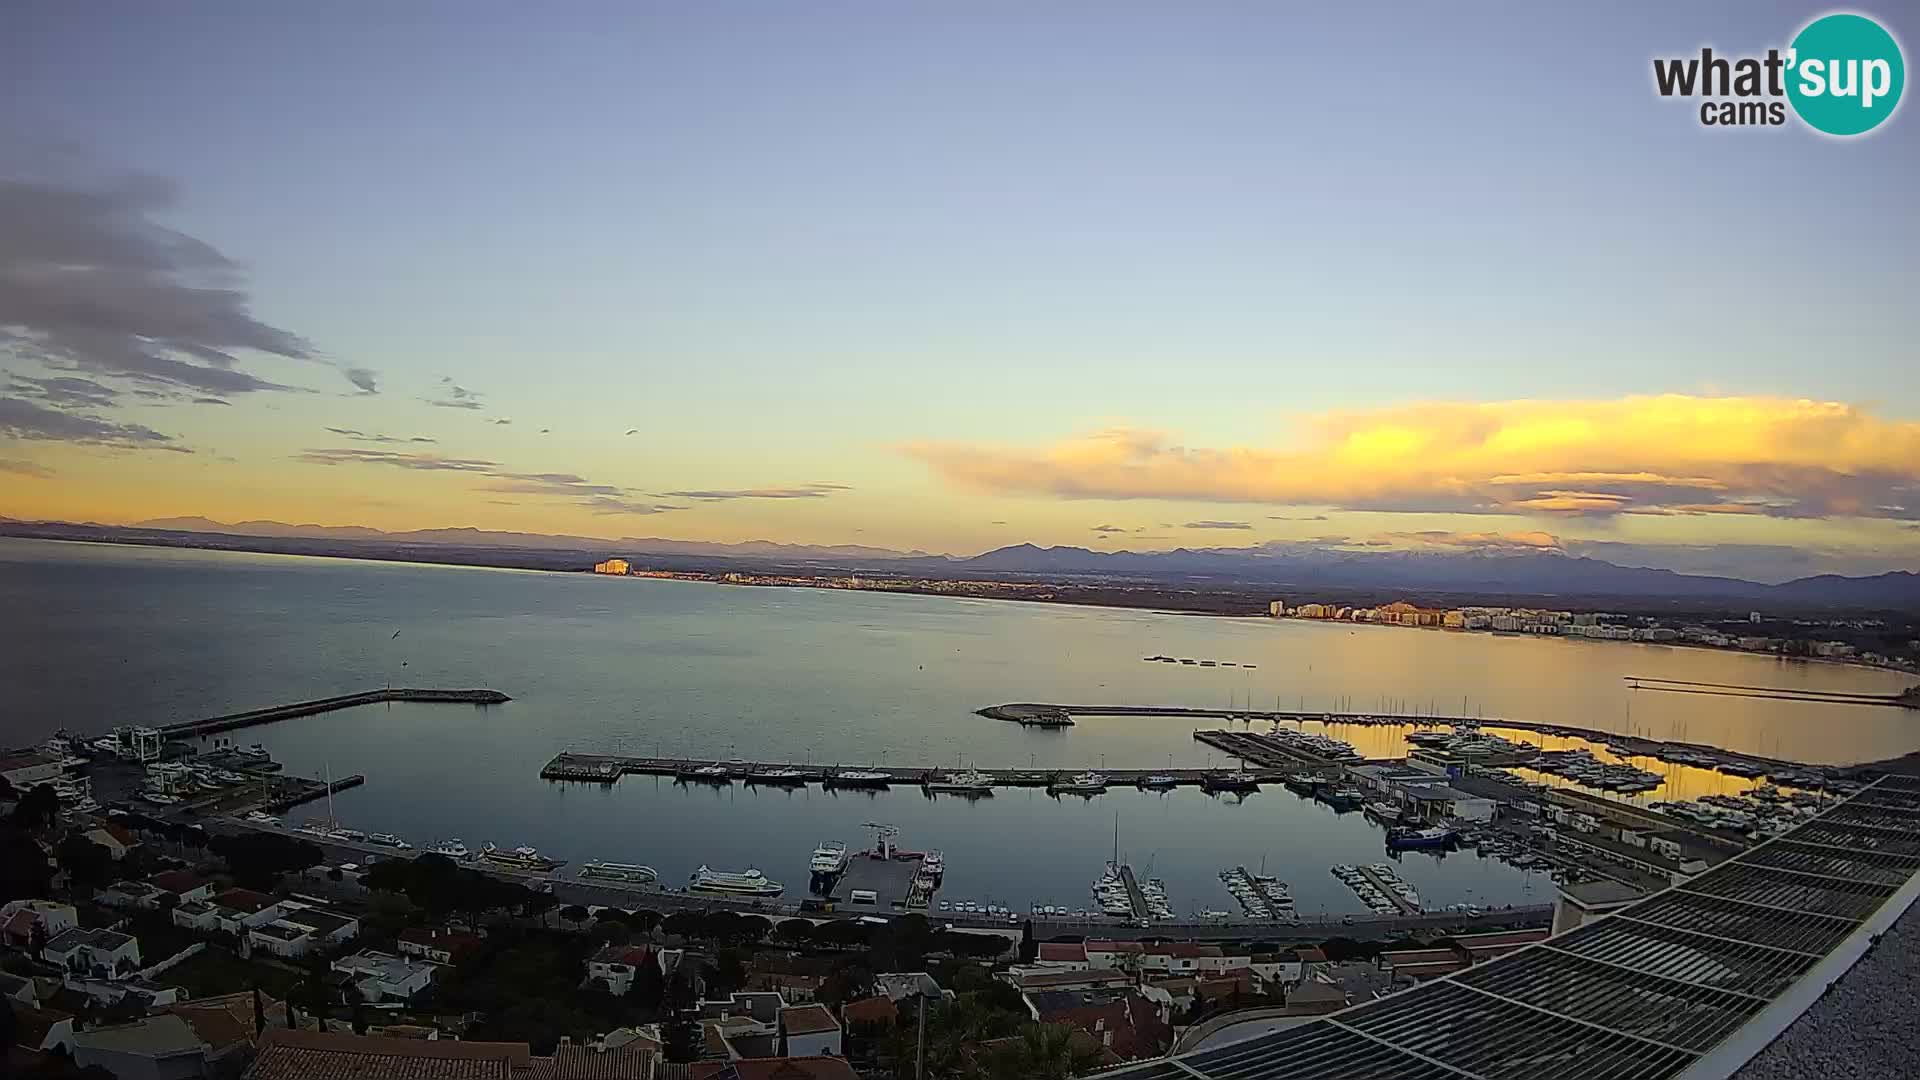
x=947, y=277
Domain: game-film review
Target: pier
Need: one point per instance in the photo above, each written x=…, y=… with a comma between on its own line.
x=1398, y=900
x=311, y=790
x=1263, y=751
x=607, y=768
x=1135, y=898
x=233, y=721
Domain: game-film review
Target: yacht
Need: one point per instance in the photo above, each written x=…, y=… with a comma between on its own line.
x=452, y=849
x=859, y=778
x=520, y=858
x=933, y=864
x=830, y=858
x=783, y=775
x=387, y=839
x=255, y=751
x=1086, y=783
x=616, y=871
x=750, y=882
x=967, y=782
x=708, y=774
x=1159, y=780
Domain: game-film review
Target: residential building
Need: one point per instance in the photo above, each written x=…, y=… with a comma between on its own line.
x=901, y=987
x=312, y=1055
x=101, y=953
x=870, y=1012
x=115, y=838
x=612, y=566
x=384, y=977
x=773, y=1068
x=1066, y=955
x=182, y=883
x=27, y=769
x=299, y=929
x=129, y=895
x=163, y=1047
x=238, y=910
x=21, y=919
x=810, y=1031
x=196, y=915
x=437, y=943
x=36, y=1028
x=1106, y=954
x=616, y=965
x=1033, y=980
x=1419, y=965
x=1183, y=957
x=18, y=989
x=1125, y=1023
x=1585, y=901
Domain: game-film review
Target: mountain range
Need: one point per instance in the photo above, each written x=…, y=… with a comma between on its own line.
x=1290, y=569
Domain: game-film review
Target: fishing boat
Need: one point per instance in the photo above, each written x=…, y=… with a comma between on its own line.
x=1406, y=839
x=859, y=778
x=966, y=782
x=617, y=871
x=1233, y=781
x=1303, y=783
x=520, y=858
x=749, y=882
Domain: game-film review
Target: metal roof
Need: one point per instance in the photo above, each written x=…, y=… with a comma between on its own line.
x=1655, y=989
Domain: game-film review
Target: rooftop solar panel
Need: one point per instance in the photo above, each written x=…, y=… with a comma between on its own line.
x=1643, y=994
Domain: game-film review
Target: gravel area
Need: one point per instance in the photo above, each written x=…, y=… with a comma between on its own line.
x=1867, y=1025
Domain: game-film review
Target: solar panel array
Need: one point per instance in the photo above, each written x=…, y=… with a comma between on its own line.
x=1639, y=995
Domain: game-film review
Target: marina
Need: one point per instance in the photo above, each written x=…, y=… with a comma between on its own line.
x=607, y=768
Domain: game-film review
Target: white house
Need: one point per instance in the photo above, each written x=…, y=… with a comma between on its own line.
x=1050, y=954
x=116, y=839
x=19, y=918
x=94, y=952
x=383, y=976
x=1107, y=955
x=129, y=894
x=195, y=915
x=438, y=944
x=810, y=1031
x=616, y=964
x=300, y=929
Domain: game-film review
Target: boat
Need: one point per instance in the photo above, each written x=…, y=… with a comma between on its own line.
x=1303, y=783
x=1432, y=837
x=783, y=775
x=706, y=774
x=520, y=858
x=1159, y=780
x=1344, y=797
x=749, y=882
x=1086, y=783
x=619, y=871
x=388, y=840
x=1385, y=813
x=1233, y=781
x=829, y=858
x=255, y=751
x=452, y=849
x=933, y=864
x=868, y=778
x=966, y=782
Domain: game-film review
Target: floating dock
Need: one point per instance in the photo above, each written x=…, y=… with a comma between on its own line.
x=1401, y=902
x=606, y=768
x=1135, y=898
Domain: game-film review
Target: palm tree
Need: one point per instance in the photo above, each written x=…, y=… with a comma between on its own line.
x=1043, y=1052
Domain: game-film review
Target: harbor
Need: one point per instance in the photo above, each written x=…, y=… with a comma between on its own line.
x=608, y=768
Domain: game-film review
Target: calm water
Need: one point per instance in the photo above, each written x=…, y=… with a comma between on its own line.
x=99, y=635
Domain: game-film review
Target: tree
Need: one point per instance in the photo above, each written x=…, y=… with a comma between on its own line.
x=681, y=1031
x=37, y=809
x=258, y=859
x=1043, y=1052
x=86, y=863
x=649, y=986
x=574, y=915
x=729, y=971
x=794, y=931
x=1029, y=946
x=24, y=873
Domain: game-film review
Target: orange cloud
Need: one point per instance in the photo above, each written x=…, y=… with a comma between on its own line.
x=1672, y=454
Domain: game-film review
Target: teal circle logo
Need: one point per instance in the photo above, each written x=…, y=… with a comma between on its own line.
x=1845, y=74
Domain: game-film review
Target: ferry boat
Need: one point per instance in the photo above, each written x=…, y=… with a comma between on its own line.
x=706, y=774
x=1434, y=837
x=1159, y=780
x=520, y=858
x=968, y=782
x=829, y=858
x=750, y=882
x=1086, y=783
x=619, y=871
x=782, y=775
x=872, y=778
x=452, y=849
x=385, y=839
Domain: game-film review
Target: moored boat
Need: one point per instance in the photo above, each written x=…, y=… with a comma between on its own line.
x=520, y=858
x=616, y=871
x=749, y=882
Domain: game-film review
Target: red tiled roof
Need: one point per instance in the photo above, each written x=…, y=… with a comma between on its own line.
x=244, y=900
x=32, y=1025
x=119, y=833
x=311, y=1055
x=1050, y=950
x=176, y=881
x=1040, y=980
x=1104, y=945
x=453, y=942
x=1185, y=950
x=807, y=1020
x=877, y=1009
x=21, y=925
x=1310, y=954
x=1130, y=1027
x=586, y=1063
x=790, y=1068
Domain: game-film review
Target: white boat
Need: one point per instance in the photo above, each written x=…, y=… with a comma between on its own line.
x=254, y=751
x=520, y=858
x=452, y=849
x=1159, y=780
x=388, y=840
x=619, y=871
x=1086, y=783
x=966, y=782
x=782, y=775
x=859, y=778
x=749, y=882
x=830, y=858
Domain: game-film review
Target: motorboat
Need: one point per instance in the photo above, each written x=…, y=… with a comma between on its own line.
x=868, y=778
x=706, y=774
x=749, y=882
x=1433, y=837
x=965, y=782
x=521, y=858
x=785, y=775
x=829, y=858
x=1159, y=781
x=1086, y=783
x=388, y=840
x=1233, y=781
x=452, y=849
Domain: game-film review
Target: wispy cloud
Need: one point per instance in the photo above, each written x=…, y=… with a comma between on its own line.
x=1672, y=454
x=600, y=498
x=90, y=283
x=65, y=391
x=1478, y=541
x=455, y=396
x=804, y=491
x=23, y=419
x=365, y=378
x=1108, y=529
x=24, y=468
x=1217, y=525
x=370, y=437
